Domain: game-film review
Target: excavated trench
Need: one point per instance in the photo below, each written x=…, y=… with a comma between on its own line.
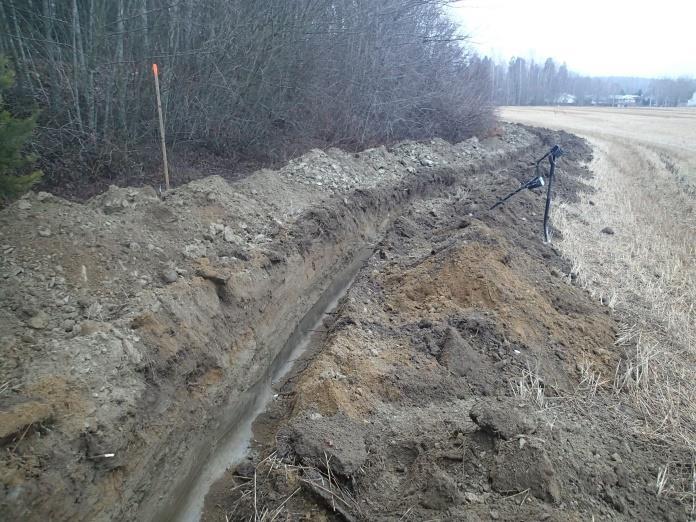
x=229, y=447
x=311, y=283
x=168, y=377
x=346, y=245
x=150, y=349
x=229, y=444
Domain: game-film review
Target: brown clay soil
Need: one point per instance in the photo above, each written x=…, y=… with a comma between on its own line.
x=450, y=384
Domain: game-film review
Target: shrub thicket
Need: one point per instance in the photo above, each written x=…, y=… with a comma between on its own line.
x=244, y=78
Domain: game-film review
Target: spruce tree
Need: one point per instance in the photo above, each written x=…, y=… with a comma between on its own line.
x=14, y=133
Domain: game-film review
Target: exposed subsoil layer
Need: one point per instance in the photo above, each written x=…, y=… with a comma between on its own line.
x=134, y=327
x=455, y=381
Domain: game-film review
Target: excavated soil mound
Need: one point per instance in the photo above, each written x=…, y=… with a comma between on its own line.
x=456, y=381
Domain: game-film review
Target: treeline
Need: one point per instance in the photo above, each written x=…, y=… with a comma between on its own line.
x=258, y=79
x=526, y=82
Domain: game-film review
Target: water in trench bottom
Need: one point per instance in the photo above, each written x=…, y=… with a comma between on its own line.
x=234, y=446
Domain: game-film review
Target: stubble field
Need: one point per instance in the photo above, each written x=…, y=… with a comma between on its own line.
x=645, y=177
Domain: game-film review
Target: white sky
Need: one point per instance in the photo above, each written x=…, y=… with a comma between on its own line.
x=595, y=37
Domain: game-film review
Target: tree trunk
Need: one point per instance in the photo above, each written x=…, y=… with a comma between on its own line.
x=23, y=66
x=53, y=95
x=85, y=76
x=120, y=67
x=76, y=65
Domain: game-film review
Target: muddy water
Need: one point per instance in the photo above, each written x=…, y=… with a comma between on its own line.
x=232, y=445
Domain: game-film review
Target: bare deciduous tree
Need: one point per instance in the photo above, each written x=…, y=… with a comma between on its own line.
x=259, y=78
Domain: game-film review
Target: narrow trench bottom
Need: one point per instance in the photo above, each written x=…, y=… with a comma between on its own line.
x=234, y=444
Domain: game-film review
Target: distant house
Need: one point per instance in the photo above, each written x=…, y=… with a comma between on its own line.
x=626, y=100
x=604, y=101
x=565, y=99
x=692, y=101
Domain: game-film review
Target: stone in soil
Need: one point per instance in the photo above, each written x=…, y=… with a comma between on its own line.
x=39, y=321
x=169, y=276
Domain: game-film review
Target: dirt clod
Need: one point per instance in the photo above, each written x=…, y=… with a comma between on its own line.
x=331, y=443
x=39, y=321
x=503, y=418
x=523, y=469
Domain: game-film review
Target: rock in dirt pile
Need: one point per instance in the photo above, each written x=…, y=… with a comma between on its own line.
x=135, y=326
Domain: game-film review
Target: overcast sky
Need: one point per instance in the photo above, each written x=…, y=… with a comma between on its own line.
x=595, y=37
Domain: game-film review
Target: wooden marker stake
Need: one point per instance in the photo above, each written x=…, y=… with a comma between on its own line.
x=161, y=126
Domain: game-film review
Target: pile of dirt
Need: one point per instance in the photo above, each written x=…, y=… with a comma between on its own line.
x=133, y=326
x=457, y=381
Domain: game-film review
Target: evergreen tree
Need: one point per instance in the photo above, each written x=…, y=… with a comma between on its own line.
x=14, y=133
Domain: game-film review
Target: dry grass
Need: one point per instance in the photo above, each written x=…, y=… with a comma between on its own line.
x=646, y=272
x=645, y=173
x=255, y=502
x=590, y=380
x=530, y=388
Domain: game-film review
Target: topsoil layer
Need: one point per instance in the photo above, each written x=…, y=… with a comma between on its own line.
x=457, y=381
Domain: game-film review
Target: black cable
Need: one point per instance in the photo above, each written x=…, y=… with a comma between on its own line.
x=533, y=183
x=553, y=154
x=538, y=181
